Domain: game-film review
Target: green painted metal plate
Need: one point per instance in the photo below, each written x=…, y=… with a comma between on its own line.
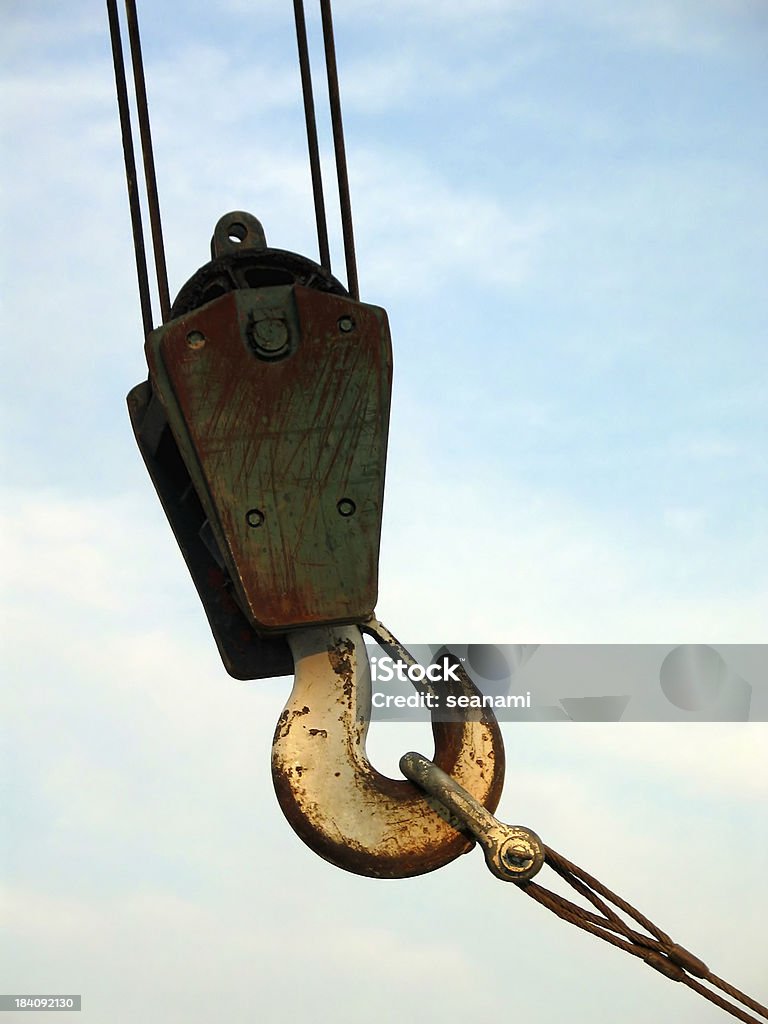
x=278, y=399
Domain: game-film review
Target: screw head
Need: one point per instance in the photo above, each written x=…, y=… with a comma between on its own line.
x=254, y=517
x=346, y=324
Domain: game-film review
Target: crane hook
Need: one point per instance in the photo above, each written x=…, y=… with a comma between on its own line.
x=334, y=799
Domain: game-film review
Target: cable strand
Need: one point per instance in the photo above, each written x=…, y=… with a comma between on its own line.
x=150, y=179
x=130, y=166
x=338, y=148
x=312, y=143
x=657, y=949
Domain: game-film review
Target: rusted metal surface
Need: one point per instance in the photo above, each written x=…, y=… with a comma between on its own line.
x=335, y=800
x=245, y=654
x=264, y=428
x=236, y=231
x=246, y=267
x=278, y=399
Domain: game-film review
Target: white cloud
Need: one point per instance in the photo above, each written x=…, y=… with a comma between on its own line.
x=53, y=93
x=71, y=551
x=675, y=25
x=27, y=28
x=513, y=564
x=221, y=93
x=484, y=15
x=421, y=230
x=698, y=26
x=389, y=81
x=699, y=762
x=215, y=947
x=685, y=519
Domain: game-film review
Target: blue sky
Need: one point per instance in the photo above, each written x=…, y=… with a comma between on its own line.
x=563, y=209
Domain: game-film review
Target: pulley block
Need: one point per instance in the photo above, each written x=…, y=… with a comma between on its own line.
x=264, y=427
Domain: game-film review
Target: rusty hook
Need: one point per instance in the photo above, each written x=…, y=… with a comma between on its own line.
x=335, y=800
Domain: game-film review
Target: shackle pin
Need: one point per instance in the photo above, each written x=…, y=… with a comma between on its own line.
x=512, y=853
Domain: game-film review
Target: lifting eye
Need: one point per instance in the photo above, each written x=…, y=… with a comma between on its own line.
x=237, y=233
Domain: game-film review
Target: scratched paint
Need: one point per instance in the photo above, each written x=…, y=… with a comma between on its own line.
x=288, y=452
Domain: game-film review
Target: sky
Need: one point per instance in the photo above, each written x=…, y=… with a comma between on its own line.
x=563, y=209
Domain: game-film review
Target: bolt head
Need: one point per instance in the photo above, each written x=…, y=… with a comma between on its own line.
x=517, y=854
x=521, y=855
x=271, y=335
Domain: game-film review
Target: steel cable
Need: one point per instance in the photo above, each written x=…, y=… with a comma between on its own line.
x=150, y=180
x=338, y=148
x=130, y=166
x=311, y=125
x=657, y=949
x=515, y=854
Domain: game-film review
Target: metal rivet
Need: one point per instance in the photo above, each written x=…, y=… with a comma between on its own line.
x=196, y=340
x=254, y=517
x=346, y=324
x=346, y=507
